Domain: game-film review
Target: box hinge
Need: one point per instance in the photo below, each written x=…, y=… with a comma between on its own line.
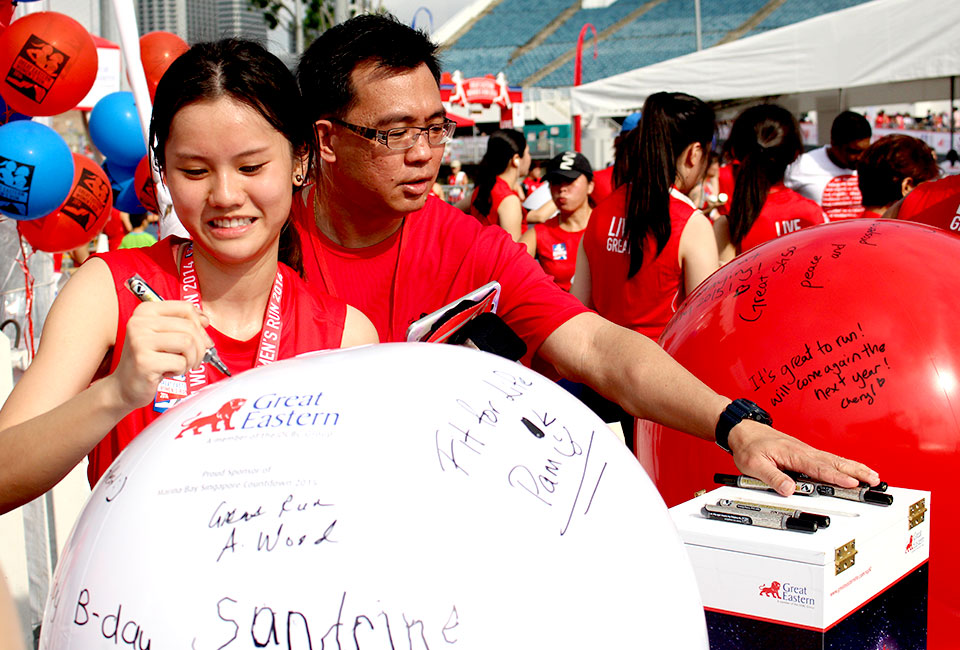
x=917, y=514
x=845, y=556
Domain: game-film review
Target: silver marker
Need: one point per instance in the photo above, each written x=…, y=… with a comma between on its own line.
x=139, y=287
x=804, y=488
x=758, y=518
x=821, y=520
x=861, y=494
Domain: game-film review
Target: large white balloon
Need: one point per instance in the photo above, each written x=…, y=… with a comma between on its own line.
x=394, y=496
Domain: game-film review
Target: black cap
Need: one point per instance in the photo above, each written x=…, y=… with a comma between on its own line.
x=879, y=498
x=725, y=479
x=801, y=525
x=567, y=167
x=879, y=487
x=822, y=521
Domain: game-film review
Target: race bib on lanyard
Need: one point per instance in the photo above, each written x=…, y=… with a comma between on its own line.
x=173, y=390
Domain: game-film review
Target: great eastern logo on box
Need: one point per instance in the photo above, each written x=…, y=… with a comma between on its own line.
x=788, y=593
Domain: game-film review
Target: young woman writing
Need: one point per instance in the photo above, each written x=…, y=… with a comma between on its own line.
x=231, y=142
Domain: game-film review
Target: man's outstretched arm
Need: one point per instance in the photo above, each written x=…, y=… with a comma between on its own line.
x=634, y=371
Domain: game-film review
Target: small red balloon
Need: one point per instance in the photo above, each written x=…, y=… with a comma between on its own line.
x=144, y=186
x=48, y=63
x=157, y=51
x=81, y=216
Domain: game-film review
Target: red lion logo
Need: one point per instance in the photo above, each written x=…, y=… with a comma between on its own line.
x=219, y=421
x=910, y=544
x=773, y=590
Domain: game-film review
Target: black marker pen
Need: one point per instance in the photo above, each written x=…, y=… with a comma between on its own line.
x=822, y=521
x=139, y=287
x=802, y=487
x=758, y=518
x=864, y=495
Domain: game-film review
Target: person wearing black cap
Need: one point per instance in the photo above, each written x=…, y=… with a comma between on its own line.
x=554, y=243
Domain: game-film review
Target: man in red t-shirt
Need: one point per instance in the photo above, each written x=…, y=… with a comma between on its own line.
x=371, y=86
x=936, y=203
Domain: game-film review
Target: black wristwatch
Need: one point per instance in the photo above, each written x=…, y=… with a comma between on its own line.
x=737, y=410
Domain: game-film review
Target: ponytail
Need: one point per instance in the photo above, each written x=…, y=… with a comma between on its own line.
x=290, y=252
x=764, y=139
x=671, y=122
x=502, y=146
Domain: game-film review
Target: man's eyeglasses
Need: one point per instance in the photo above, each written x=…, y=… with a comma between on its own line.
x=404, y=137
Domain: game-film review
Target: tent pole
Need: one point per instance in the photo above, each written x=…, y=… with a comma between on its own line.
x=696, y=11
x=953, y=81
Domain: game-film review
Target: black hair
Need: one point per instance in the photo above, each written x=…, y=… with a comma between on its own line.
x=620, y=148
x=137, y=219
x=671, y=122
x=502, y=146
x=849, y=127
x=764, y=139
x=887, y=162
x=325, y=68
x=247, y=73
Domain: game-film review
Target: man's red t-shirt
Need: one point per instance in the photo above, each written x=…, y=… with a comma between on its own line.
x=647, y=301
x=936, y=203
x=783, y=212
x=437, y=256
x=310, y=321
x=557, y=251
x=602, y=184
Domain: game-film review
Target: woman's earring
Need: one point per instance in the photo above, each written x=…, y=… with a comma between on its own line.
x=298, y=178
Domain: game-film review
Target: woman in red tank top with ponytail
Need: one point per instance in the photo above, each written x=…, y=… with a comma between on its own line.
x=231, y=141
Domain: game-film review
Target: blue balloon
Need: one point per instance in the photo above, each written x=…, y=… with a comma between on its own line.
x=127, y=200
x=118, y=173
x=115, y=129
x=36, y=170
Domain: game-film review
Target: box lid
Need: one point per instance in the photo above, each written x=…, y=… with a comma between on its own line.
x=848, y=519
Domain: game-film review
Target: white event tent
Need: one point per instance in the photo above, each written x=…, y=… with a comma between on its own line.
x=880, y=52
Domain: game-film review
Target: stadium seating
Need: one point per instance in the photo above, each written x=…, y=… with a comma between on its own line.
x=666, y=31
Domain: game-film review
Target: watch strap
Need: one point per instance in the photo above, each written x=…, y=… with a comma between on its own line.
x=737, y=411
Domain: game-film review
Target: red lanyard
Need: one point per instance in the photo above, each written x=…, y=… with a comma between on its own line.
x=272, y=320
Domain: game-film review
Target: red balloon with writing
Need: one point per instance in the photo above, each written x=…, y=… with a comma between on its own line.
x=847, y=334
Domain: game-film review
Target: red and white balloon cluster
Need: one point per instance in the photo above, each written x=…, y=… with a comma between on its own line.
x=48, y=65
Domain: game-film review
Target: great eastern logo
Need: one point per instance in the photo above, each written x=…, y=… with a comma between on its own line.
x=270, y=411
x=773, y=590
x=787, y=592
x=217, y=421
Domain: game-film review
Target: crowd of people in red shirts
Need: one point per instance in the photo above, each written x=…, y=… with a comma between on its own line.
x=310, y=198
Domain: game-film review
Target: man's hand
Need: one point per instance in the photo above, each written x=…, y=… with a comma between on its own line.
x=761, y=452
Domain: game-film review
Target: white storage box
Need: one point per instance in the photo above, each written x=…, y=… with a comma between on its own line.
x=863, y=578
